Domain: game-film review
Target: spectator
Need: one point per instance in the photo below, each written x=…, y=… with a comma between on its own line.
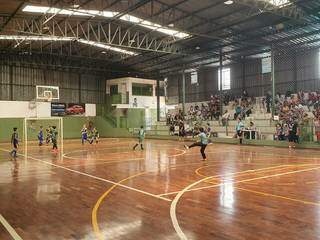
x=293, y=133
x=238, y=111
x=317, y=128
x=279, y=135
x=225, y=118
x=268, y=101
x=239, y=130
x=251, y=131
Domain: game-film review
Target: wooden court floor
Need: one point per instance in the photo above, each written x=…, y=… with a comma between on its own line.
x=108, y=191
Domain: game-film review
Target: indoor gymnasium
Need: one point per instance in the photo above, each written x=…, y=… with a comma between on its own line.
x=159, y=119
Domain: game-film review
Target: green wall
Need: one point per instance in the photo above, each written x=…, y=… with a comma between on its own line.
x=71, y=125
x=135, y=118
x=6, y=126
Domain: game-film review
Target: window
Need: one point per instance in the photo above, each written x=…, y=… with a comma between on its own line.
x=113, y=90
x=194, y=78
x=266, y=65
x=142, y=89
x=225, y=84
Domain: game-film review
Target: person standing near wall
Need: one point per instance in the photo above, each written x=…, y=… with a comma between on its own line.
x=14, y=142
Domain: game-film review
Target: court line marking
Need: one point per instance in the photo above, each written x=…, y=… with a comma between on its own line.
x=182, y=152
x=175, y=201
x=230, y=174
x=240, y=181
x=264, y=193
x=92, y=176
x=95, y=209
x=252, y=171
x=9, y=228
x=278, y=196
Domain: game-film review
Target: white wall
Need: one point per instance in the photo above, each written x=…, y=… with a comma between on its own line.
x=23, y=109
x=143, y=101
x=91, y=110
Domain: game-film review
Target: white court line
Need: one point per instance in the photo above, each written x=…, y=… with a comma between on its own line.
x=10, y=229
x=173, y=206
x=92, y=176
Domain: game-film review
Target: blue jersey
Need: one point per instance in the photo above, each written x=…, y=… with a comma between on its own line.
x=40, y=135
x=84, y=132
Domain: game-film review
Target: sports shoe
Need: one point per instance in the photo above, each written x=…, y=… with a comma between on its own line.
x=186, y=147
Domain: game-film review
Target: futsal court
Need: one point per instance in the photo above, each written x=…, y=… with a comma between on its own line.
x=159, y=119
x=108, y=191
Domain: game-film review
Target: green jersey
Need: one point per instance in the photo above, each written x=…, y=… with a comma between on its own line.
x=141, y=134
x=54, y=135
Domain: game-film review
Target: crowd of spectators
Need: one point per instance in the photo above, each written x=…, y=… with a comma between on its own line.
x=292, y=110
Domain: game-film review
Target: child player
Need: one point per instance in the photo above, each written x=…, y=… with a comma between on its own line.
x=84, y=134
x=140, y=138
x=95, y=136
x=14, y=142
x=203, y=143
x=54, y=135
x=48, y=135
x=40, y=136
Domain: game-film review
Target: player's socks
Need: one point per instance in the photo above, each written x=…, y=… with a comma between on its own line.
x=141, y=146
x=134, y=148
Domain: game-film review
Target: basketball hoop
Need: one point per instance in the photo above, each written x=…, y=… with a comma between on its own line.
x=48, y=96
x=47, y=93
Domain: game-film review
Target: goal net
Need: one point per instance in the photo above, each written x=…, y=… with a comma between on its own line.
x=32, y=128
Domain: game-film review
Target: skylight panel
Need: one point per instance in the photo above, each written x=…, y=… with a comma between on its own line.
x=101, y=45
x=278, y=3
x=107, y=14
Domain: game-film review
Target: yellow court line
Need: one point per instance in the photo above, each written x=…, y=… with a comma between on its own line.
x=241, y=181
x=250, y=171
x=92, y=176
x=262, y=193
x=278, y=196
x=175, y=201
x=95, y=209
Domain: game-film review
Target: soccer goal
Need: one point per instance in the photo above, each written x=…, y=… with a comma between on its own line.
x=32, y=127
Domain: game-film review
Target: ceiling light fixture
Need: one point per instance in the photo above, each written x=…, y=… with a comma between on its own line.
x=228, y=2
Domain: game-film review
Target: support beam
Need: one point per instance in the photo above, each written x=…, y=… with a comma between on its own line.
x=220, y=76
x=80, y=87
x=273, y=80
x=183, y=92
x=158, y=99
x=11, y=82
x=243, y=73
x=110, y=34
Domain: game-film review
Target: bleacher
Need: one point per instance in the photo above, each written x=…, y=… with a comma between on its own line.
x=264, y=124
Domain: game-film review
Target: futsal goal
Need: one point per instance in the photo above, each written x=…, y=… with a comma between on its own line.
x=32, y=126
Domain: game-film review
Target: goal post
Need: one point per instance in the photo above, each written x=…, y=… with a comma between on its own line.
x=31, y=128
